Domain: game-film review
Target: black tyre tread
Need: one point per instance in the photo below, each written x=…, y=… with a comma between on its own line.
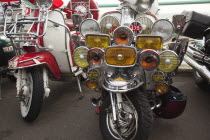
x=143, y=108
x=37, y=97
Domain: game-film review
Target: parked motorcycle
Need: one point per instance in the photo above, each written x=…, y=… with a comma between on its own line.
x=196, y=26
x=127, y=63
x=45, y=53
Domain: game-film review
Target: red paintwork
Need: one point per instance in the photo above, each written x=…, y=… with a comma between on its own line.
x=56, y=3
x=45, y=58
x=93, y=5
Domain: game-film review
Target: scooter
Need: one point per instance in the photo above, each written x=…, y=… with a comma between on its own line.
x=132, y=70
x=84, y=8
x=45, y=53
x=77, y=11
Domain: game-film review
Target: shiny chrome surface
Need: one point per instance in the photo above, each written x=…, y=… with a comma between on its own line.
x=202, y=69
x=130, y=79
x=147, y=24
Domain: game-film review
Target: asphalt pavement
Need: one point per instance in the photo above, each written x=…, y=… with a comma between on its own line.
x=65, y=117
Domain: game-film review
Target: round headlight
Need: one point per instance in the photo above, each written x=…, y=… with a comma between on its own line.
x=168, y=61
x=158, y=77
x=163, y=28
x=91, y=84
x=149, y=60
x=147, y=23
x=80, y=57
x=89, y=26
x=162, y=88
x=123, y=36
x=93, y=74
x=108, y=24
x=95, y=57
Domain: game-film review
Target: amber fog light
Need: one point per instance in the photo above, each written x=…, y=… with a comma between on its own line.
x=95, y=57
x=149, y=60
x=92, y=84
x=162, y=88
x=93, y=74
x=158, y=77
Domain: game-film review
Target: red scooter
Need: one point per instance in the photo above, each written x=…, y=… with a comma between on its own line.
x=45, y=53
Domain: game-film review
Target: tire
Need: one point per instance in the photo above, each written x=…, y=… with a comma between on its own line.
x=145, y=118
x=35, y=104
x=200, y=81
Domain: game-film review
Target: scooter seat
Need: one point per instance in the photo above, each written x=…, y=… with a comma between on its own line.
x=70, y=24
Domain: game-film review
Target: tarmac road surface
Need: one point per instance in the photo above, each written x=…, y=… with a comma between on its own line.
x=64, y=117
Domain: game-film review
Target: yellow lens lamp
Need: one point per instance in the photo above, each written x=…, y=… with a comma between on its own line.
x=120, y=56
x=93, y=74
x=158, y=77
x=80, y=57
x=91, y=84
x=97, y=41
x=168, y=61
x=162, y=88
x=149, y=42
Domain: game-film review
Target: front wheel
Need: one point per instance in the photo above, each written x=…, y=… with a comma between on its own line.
x=134, y=120
x=31, y=102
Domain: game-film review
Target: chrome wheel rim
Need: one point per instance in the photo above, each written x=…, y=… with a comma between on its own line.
x=26, y=103
x=123, y=132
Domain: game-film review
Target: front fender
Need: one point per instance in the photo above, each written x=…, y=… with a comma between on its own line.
x=36, y=59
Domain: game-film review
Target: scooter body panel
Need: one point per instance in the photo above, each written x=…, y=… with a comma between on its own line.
x=58, y=41
x=36, y=59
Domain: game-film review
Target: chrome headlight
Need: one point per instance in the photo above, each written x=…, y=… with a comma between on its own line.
x=95, y=57
x=149, y=60
x=80, y=57
x=147, y=24
x=123, y=36
x=168, y=61
x=108, y=24
x=163, y=28
x=89, y=26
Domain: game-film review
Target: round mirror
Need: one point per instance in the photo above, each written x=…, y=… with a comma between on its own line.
x=44, y=3
x=144, y=5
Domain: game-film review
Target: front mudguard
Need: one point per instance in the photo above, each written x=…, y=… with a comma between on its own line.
x=173, y=104
x=29, y=60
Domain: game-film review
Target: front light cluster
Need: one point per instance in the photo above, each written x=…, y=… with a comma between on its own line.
x=149, y=58
x=124, y=35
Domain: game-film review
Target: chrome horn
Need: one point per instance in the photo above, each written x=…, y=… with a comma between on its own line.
x=191, y=56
